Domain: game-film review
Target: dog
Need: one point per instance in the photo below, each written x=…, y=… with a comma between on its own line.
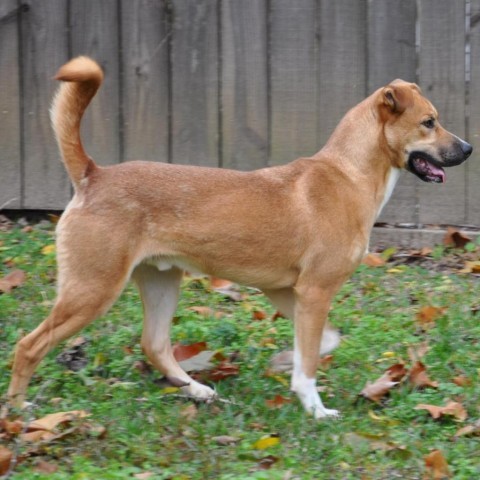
x=297, y=231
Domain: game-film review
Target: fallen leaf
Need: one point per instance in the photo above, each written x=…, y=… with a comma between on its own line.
x=222, y=370
x=468, y=430
x=325, y=362
x=45, y=467
x=419, y=378
x=200, y=362
x=278, y=315
x=48, y=249
x=225, y=440
x=206, y=312
x=226, y=288
x=455, y=238
x=12, y=428
x=183, y=352
x=429, y=313
x=377, y=390
x=471, y=267
x=461, y=381
x=266, y=442
x=143, y=367
x=453, y=409
x=416, y=352
x=437, y=466
x=277, y=401
x=189, y=412
x=143, y=475
x=266, y=463
x=49, y=422
x=373, y=260
x=5, y=459
x=14, y=279
x=216, y=283
x=259, y=315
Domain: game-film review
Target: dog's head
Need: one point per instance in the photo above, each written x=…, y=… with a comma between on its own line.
x=412, y=130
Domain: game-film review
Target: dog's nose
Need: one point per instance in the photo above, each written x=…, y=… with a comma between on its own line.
x=466, y=149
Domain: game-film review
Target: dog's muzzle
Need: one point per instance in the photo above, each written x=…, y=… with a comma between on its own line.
x=429, y=169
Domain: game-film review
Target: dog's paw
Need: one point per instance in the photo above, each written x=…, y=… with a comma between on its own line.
x=321, y=413
x=199, y=392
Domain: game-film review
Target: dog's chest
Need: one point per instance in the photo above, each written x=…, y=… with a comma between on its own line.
x=392, y=180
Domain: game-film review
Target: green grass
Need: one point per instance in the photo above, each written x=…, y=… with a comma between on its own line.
x=376, y=311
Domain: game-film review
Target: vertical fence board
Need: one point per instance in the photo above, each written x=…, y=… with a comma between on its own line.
x=293, y=50
x=244, y=84
x=442, y=78
x=145, y=43
x=342, y=62
x=473, y=164
x=391, y=54
x=10, y=156
x=45, y=48
x=94, y=29
x=195, y=89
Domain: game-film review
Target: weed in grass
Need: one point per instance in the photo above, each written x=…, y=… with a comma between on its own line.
x=145, y=428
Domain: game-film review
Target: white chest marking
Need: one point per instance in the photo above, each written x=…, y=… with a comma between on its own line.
x=392, y=180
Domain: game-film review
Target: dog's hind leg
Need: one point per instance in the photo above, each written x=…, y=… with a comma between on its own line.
x=78, y=303
x=284, y=301
x=159, y=291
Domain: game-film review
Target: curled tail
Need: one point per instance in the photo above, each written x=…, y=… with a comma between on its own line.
x=82, y=77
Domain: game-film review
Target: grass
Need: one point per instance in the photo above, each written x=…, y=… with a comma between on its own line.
x=145, y=428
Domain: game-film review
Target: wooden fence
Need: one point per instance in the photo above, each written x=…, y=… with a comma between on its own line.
x=234, y=83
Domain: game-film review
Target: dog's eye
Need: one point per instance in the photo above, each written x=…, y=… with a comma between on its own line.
x=430, y=123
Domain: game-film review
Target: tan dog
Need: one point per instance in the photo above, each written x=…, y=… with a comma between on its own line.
x=298, y=231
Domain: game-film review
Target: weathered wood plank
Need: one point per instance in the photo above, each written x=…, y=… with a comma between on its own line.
x=342, y=62
x=244, y=84
x=10, y=158
x=94, y=32
x=145, y=43
x=293, y=50
x=44, y=28
x=391, y=54
x=442, y=78
x=195, y=89
x=473, y=134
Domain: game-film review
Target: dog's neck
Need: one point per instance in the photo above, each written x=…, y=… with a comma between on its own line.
x=358, y=148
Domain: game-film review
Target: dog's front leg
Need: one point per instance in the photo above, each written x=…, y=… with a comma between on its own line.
x=311, y=309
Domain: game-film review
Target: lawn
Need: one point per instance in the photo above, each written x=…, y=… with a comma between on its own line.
x=140, y=427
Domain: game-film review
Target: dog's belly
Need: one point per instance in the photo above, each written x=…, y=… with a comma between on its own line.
x=247, y=275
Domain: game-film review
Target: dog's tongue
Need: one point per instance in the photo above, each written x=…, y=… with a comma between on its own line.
x=437, y=172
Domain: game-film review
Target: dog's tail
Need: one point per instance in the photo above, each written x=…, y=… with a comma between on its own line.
x=82, y=77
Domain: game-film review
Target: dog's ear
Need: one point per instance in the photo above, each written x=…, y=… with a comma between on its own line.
x=397, y=96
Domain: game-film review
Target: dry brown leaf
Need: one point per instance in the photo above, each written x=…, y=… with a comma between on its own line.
x=49, y=422
x=453, y=409
x=5, y=459
x=373, y=260
x=278, y=315
x=437, y=466
x=223, y=370
x=419, y=378
x=189, y=412
x=417, y=352
x=455, y=238
x=377, y=390
x=206, y=311
x=45, y=467
x=14, y=279
x=259, y=315
x=473, y=430
x=143, y=475
x=277, y=401
x=325, y=362
x=12, y=428
x=184, y=352
x=266, y=463
x=429, y=313
x=462, y=381
x=471, y=267
x=225, y=440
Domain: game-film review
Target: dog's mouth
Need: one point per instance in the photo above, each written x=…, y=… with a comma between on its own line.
x=426, y=168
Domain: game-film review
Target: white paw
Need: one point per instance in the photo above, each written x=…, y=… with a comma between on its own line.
x=323, y=412
x=199, y=392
